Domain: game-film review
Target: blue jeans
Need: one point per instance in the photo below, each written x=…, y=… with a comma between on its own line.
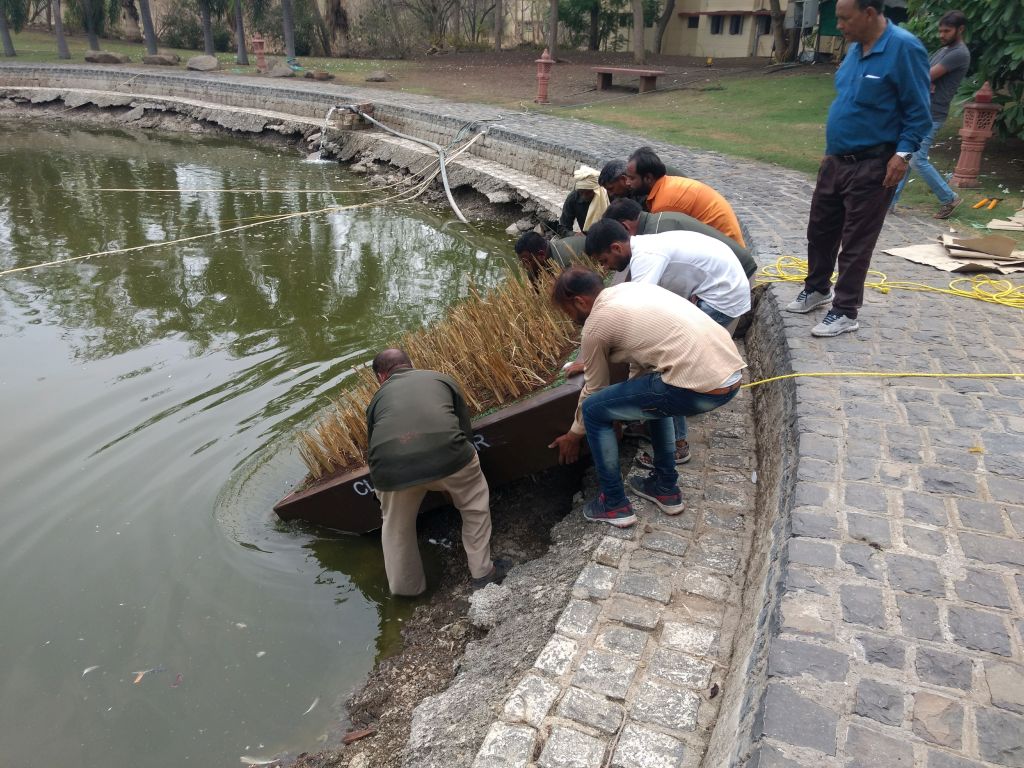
x=723, y=320
x=645, y=398
x=919, y=162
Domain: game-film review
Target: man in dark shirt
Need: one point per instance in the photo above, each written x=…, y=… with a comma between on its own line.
x=947, y=68
x=876, y=122
x=638, y=222
x=420, y=440
x=536, y=253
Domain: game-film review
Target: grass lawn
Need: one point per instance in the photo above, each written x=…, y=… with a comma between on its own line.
x=775, y=118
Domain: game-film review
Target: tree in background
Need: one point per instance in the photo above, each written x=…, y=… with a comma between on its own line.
x=132, y=30
x=338, y=26
x=58, y=27
x=92, y=15
x=288, y=27
x=207, y=10
x=663, y=21
x=785, y=44
x=553, y=30
x=639, y=49
x=238, y=11
x=995, y=36
x=13, y=15
x=148, y=32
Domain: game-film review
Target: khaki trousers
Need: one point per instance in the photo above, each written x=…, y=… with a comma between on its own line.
x=470, y=495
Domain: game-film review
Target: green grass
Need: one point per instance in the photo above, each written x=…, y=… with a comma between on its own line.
x=774, y=118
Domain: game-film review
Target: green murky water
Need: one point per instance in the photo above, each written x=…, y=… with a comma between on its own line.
x=147, y=401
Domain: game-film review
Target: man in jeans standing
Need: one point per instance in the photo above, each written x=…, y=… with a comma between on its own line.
x=947, y=68
x=876, y=122
x=681, y=363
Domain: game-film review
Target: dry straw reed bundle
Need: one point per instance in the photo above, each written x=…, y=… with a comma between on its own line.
x=499, y=346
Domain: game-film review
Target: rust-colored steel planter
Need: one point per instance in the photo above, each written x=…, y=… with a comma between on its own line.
x=512, y=443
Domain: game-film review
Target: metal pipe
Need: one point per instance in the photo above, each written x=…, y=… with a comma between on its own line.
x=436, y=147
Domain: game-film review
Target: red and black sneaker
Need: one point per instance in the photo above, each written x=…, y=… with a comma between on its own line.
x=669, y=500
x=597, y=511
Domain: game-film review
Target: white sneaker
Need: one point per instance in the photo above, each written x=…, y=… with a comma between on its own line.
x=834, y=324
x=808, y=300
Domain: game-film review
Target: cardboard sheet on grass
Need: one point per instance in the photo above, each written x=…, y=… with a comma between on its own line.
x=989, y=253
x=1015, y=222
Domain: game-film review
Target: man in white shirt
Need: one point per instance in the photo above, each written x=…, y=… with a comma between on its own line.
x=699, y=268
x=695, y=266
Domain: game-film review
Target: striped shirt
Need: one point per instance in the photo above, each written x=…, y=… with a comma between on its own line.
x=654, y=330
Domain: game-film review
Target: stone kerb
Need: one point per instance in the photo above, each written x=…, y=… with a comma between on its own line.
x=553, y=163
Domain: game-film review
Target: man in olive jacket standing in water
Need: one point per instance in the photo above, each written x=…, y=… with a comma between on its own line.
x=420, y=440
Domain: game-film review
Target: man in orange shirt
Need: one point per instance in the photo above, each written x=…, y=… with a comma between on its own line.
x=646, y=174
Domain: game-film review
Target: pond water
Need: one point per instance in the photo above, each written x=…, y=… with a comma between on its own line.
x=148, y=402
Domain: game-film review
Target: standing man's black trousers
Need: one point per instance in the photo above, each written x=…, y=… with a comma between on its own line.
x=848, y=209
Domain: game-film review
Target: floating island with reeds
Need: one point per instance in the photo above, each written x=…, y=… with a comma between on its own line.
x=505, y=347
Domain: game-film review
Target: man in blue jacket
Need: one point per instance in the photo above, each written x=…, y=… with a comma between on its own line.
x=879, y=117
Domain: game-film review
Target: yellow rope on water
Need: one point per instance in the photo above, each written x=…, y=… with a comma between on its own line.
x=884, y=375
x=790, y=269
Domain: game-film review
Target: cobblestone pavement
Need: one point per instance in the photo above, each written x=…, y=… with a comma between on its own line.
x=896, y=635
x=640, y=653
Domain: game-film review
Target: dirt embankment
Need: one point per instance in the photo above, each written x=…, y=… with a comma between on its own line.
x=435, y=638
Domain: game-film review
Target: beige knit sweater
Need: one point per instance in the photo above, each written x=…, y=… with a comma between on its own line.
x=654, y=330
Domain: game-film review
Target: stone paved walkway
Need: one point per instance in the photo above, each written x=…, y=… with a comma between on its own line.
x=893, y=617
x=640, y=653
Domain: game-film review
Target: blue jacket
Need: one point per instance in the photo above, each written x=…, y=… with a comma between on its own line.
x=883, y=97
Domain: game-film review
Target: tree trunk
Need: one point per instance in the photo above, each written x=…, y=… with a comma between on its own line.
x=288, y=23
x=663, y=22
x=499, y=23
x=594, y=38
x=321, y=29
x=90, y=25
x=204, y=15
x=241, y=55
x=131, y=15
x=553, y=30
x=639, y=50
x=5, y=34
x=148, y=32
x=58, y=25
x=778, y=29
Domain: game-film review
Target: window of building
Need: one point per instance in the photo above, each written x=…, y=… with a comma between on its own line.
x=692, y=22
x=716, y=25
x=764, y=25
x=735, y=24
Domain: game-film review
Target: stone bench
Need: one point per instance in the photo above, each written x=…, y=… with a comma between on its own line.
x=648, y=77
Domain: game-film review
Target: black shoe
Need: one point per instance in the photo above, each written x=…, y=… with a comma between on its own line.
x=497, y=575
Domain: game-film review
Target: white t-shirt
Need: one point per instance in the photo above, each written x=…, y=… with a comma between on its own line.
x=691, y=265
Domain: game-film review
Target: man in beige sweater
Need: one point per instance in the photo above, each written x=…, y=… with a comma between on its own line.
x=681, y=363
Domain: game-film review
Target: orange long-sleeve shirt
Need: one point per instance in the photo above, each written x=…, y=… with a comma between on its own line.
x=696, y=199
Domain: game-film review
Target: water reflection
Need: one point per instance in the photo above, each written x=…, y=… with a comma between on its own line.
x=134, y=386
